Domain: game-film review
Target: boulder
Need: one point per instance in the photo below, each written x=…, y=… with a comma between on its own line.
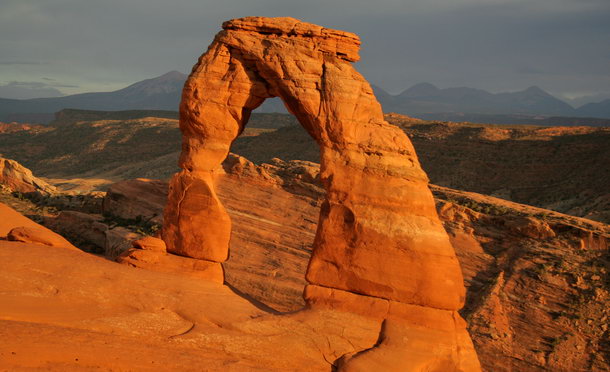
x=531, y=227
x=156, y=260
x=16, y=227
x=149, y=243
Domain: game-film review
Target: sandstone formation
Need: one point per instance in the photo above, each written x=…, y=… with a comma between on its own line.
x=559, y=168
x=525, y=268
x=16, y=227
x=151, y=253
x=135, y=199
x=63, y=310
x=18, y=178
x=148, y=243
x=274, y=214
x=536, y=298
x=378, y=236
x=535, y=302
x=14, y=127
x=91, y=233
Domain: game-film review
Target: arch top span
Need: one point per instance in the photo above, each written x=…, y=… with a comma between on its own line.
x=344, y=45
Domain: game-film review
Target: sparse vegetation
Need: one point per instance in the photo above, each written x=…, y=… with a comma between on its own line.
x=139, y=224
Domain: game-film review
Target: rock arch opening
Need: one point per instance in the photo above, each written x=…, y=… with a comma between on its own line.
x=273, y=194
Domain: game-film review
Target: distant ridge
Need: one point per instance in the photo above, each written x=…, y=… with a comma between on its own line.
x=598, y=110
x=160, y=93
x=70, y=116
x=423, y=100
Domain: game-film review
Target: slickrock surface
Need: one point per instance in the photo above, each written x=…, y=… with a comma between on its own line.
x=72, y=311
x=537, y=296
x=378, y=235
x=18, y=178
x=538, y=290
x=274, y=213
x=16, y=227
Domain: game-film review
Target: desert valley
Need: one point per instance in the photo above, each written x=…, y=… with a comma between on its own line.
x=336, y=237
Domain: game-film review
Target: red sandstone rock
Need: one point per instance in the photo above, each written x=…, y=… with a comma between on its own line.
x=131, y=199
x=20, y=178
x=10, y=219
x=270, y=247
x=156, y=260
x=532, y=228
x=151, y=253
x=93, y=233
x=379, y=234
x=16, y=227
x=38, y=235
x=379, y=208
x=148, y=243
x=404, y=348
x=267, y=245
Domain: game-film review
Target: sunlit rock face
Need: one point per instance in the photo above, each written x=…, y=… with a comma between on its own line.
x=380, y=249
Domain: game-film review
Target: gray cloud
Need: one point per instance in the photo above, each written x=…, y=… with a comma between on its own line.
x=39, y=84
x=29, y=89
x=14, y=63
x=489, y=44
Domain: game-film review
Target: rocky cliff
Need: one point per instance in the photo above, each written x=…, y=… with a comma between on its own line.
x=18, y=178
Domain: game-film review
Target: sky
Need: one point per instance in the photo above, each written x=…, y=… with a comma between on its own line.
x=54, y=47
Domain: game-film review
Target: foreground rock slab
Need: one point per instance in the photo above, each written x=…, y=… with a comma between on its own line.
x=73, y=310
x=16, y=227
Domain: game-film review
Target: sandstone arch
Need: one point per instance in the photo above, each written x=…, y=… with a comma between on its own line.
x=379, y=240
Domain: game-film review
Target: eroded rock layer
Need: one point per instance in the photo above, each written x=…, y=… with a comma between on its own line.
x=379, y=236
x=18, y=178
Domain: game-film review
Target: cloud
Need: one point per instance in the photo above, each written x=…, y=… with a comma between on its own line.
x=30, y=89
x=39, y=84
x=529, y=70
x=14, y=63
x=498, y=45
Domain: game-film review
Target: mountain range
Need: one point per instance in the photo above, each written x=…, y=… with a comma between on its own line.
x=160, y=93
x=421, y=100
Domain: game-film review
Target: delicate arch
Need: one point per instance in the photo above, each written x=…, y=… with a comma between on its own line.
x=378, y=233
x=380, y=249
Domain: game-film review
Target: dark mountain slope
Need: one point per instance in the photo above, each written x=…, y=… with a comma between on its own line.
x=160, y=93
